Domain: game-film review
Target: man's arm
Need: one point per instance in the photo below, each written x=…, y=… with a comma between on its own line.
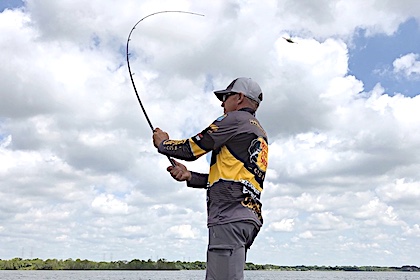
x=188, y=149
x=198, y=180
x=194, y=180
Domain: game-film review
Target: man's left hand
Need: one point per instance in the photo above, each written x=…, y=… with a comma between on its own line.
x=159, y=136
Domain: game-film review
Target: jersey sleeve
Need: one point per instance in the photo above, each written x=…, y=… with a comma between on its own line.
x=198, y=180
x=211, y=138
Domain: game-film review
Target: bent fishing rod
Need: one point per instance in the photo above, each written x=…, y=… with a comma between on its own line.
x=131, y=74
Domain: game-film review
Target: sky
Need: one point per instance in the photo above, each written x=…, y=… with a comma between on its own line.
x=80, y=177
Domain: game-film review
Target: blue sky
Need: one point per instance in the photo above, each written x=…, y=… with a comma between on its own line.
x=80, y=178
x=370, y=60
x=10, y=4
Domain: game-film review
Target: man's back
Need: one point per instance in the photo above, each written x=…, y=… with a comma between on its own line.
x=237, y=171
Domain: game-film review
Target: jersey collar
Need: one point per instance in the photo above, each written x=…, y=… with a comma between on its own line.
x=249, y=110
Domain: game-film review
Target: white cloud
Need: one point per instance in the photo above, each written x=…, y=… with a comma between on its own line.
x=283, y=225
x=408, y=65
x=108, y=204
x=376, y=212
x=181, y=231
x=401, y=191
x=306, y=235
x=412, y=231
x=320, y=18
x=78, y=169
x=326, y=221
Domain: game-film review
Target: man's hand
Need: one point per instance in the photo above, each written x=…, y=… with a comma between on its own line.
x=159, y=136
x=179, y=172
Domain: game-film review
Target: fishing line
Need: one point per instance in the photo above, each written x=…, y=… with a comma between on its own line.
x=131, y=74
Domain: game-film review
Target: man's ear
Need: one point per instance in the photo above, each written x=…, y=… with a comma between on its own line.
x=241, y=97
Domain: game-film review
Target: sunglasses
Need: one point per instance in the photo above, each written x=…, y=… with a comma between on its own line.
x=226, y=96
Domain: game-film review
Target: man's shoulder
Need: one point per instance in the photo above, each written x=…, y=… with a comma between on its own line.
x=228, y=117
x=237, y=118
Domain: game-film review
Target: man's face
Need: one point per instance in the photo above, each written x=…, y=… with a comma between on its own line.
x=229, y=102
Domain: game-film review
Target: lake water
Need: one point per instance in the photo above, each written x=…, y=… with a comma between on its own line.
x=200, y=274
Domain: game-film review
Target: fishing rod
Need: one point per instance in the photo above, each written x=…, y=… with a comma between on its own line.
x=131, y=74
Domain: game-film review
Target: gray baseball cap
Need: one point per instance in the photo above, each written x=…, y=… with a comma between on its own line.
x=244, y=85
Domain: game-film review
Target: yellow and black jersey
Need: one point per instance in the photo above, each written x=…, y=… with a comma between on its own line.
x=237, y=169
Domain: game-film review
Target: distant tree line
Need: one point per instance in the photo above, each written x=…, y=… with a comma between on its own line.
x=78, y=264
x=163, y=264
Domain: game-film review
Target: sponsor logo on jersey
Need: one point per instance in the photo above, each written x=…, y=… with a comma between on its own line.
x=257, y=124
x=198, y=137
x=221, y=118
x=173, y=145
x=258, y=153
x=213, y=128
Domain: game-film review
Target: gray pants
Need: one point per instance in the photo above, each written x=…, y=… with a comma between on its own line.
x=226, y=253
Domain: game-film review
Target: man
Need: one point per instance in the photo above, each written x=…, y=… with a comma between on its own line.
x=235, y=180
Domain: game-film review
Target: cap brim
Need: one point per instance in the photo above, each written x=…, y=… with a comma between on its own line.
x=219, y=93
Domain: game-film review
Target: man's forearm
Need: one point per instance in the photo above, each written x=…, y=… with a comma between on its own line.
x=198, y=180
